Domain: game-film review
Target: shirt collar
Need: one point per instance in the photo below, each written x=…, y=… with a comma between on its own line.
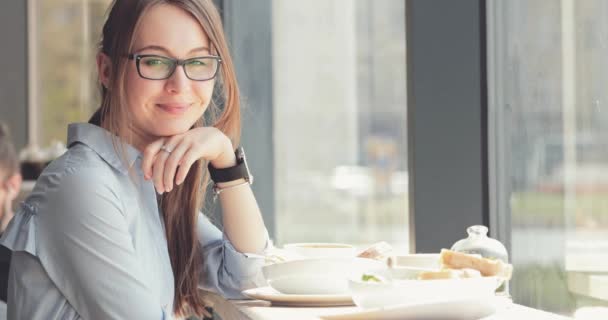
x=100, y=141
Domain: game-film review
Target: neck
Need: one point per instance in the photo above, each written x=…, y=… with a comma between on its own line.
x=139, y=139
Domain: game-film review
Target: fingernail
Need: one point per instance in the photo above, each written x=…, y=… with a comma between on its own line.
x=178, y=182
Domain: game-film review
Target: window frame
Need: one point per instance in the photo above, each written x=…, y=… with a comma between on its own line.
x=449, y=153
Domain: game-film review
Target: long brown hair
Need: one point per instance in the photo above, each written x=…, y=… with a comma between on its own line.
x=181, y=206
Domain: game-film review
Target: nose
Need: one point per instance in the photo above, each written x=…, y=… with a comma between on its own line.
x=178, y=82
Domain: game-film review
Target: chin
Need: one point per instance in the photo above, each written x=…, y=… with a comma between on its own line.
x=173, y=128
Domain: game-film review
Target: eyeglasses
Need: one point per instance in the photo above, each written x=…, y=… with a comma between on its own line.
x=155, y=67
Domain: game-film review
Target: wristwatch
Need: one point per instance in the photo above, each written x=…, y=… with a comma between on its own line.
x=239, y=171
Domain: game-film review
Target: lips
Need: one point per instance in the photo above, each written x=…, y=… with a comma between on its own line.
x=174, y=108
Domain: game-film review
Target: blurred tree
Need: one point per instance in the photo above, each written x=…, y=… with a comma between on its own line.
x=67, y=38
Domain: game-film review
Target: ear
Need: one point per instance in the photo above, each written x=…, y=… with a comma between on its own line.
x=14, y=183
x=104, y=69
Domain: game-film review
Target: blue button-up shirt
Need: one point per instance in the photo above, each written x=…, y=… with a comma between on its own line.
x=89, y=241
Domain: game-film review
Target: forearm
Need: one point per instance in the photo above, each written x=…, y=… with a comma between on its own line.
x=243, y=223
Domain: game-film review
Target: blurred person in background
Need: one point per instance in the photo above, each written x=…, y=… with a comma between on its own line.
x=10, y=177
x=10, y=184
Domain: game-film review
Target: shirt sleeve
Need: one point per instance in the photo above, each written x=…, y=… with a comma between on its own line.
x=224, y=269
x=88, y=252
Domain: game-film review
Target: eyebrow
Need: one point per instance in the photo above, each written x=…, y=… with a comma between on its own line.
x=161, y=48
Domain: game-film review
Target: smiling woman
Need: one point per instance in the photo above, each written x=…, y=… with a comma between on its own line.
x=138, y=169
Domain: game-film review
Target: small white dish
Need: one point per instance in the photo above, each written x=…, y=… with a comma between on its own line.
x=459, y=309
x=417, y=260
x=294, y=300
x=321, y=249
x=318, y=276
x=407, y=273
x=410, y=265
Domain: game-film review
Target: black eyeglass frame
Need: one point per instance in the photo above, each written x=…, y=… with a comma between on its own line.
x=176, y=62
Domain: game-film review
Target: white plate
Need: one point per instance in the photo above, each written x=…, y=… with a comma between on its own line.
x=466, y=309
x=400, y=292
x=298, y=300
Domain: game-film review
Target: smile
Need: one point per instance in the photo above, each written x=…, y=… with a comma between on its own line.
x=174, y=108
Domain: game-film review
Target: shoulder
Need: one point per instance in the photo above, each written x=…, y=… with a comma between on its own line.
x=78, y=175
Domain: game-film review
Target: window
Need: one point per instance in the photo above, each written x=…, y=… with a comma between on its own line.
x=63, y=86
x=339, y=109
x=551, y=69
x=339, y=118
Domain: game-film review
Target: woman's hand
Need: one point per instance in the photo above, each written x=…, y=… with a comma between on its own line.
x=168, y=160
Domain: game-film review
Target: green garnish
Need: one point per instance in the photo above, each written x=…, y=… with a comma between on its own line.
x=370, y=277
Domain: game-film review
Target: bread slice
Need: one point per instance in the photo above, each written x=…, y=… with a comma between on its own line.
x=487, y=267
x=440, y=274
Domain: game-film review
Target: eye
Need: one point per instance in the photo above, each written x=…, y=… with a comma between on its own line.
x=198, y=62
x=154, y=62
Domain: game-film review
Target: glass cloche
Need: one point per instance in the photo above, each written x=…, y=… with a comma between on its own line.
x=478, y=242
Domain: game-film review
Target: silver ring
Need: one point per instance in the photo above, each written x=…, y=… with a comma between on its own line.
x=166, y=149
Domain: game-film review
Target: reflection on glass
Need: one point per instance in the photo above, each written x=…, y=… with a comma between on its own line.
x=340, y=121
x=554, y=66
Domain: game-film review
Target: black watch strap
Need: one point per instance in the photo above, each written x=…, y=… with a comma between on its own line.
x=228, y=174
x=239, y=171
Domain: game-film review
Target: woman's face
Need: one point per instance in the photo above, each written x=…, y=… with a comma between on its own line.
x=171, y=106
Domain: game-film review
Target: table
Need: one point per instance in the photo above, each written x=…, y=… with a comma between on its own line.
x=262, y=310
x=514, y=311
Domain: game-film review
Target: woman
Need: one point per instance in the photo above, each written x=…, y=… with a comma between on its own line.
x=112, y=229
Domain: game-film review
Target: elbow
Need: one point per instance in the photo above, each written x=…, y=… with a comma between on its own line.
x=232, y=284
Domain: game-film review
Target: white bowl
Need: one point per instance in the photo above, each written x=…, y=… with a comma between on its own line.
x=318, y=276
x=321, y=250
x=398, y=292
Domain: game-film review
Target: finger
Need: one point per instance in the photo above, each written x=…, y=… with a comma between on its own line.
x=150, y=153
x=158, y=169
x=172, y=163
x=184, y=167
x=164, y=155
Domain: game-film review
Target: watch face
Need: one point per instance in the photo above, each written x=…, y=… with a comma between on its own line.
x=240, y=156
